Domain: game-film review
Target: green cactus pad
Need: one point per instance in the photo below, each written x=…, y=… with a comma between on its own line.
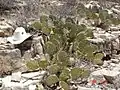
x=76, y=73
x=51, y=80
x=53, y=69
x=32, y=65
x=50, y=48
x=64, y=85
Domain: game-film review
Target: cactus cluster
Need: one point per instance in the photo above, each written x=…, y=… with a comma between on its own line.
x=66, y=39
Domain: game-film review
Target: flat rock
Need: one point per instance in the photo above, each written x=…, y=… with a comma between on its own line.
x=6, y=46
x=117, y=68
x=97, y=76
x=27, y=81
x=12, y=53
x=10, y=60
x=85, y=88
x=16, y=77
x=115, y=61
x=106, y=64
x=112, y=77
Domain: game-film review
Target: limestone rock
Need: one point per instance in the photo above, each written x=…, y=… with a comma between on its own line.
x=13, y=54
x=16, y=77
x=97, y=76
x=27, y=81
x=84, y=88
x=32, y=87
x=10, y=60
x=112, y=64
x=19, y=88
x=117, y=68
x=113, y=77
x=3, y=40
x=116, y=33
x=115, y=61
x=106, y=64
x=6, y=46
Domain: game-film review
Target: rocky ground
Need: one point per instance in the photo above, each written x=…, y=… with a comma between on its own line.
x=13, y=58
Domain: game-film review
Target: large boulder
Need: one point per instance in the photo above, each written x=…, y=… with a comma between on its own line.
x=96, y=77
x=10, y=60
x=113, y=77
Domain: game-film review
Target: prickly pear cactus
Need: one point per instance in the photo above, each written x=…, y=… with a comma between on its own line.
x=64, y=85
x=76, y=73
x=32, y=65
x=53, y=69
x=43, y=63
x=98, y=59
x=37, y=25
x=51, y=80
x=51, y=48
x=63, y=57
x=65, y=74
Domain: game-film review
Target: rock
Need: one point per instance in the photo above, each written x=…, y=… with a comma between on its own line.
x=19, y=88
x=13, y=54
x=116, y=33
x=117, y=68
x=39, y=49
x=106, y=36
x=32, y=78
x=115, y=45
x=106, y=64
x=114, y=28
x=96, y=41
x=40, y=87
x=32, y=87
x=6, y=46
x=2, y=34
x=112, y=64
x=115, y=61
x=21, y=3
x=3, y=40
x=85, y=88
x=97, y=76
x=1, y=85
x=112, y=77
x=115, y=10
x=28, y=81
x=16, y=77
x=7, y=88
x=10, y=60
